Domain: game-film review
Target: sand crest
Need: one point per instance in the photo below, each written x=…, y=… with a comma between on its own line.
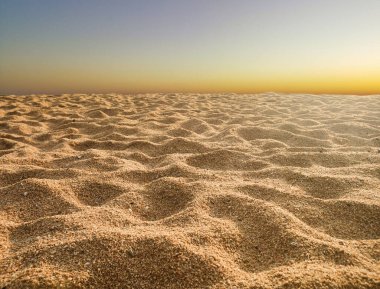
x=190, y=191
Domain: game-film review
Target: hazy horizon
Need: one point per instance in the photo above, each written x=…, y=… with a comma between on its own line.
x=205, y=46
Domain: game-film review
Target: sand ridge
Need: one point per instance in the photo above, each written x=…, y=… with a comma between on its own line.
x=190, y=191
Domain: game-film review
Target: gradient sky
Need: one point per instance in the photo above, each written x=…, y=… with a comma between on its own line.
x=56, y=46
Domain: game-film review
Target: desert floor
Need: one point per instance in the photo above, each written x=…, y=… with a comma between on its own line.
x=190, y=191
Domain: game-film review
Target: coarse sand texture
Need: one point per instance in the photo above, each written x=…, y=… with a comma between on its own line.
x=190, y=191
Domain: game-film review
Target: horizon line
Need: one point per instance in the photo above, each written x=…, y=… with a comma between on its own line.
x=194, y=92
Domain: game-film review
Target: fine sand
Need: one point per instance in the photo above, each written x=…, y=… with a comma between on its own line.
x=190, y=191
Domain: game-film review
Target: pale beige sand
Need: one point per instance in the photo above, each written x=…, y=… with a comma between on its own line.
x=190, y=191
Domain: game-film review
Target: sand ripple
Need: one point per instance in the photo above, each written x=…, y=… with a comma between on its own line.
x=189, y=191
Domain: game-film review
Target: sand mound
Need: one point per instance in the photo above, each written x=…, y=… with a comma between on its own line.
x=189, y=191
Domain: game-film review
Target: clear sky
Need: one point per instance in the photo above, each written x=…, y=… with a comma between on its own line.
x=315, y=46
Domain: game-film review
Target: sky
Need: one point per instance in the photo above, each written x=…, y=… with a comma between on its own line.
x=242, y=46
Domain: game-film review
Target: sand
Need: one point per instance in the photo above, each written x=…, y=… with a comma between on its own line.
x=190, y=191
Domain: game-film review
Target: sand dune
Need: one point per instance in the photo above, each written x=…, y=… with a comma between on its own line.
x=190, y=191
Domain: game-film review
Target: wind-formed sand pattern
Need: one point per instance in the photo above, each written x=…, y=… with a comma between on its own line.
x=190, y=191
